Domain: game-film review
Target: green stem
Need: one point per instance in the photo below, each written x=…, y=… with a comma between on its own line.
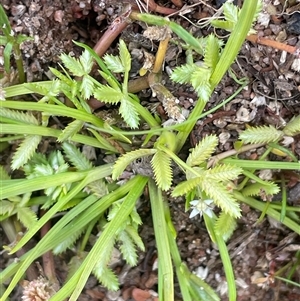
x=263, y=164
x=180, y=163
x=19, y=63
x=235, y=41
x=179, y=30
x=270, y=211
x=53, y=110
x=146, y=115
x=166, y=282
x=230, y=52
x=28, y=129
x=182, y=136
x=227, y=267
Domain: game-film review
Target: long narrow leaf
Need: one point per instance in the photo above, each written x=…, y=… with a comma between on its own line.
x=80, y=278
x=165, y=273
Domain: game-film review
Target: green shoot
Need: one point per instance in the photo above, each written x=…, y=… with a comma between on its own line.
x=12, y=44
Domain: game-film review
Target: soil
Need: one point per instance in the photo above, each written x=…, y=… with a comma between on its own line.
x=274, y=75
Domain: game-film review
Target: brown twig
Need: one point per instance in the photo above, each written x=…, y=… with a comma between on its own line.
x=48, y=259
x=159, y=9
x=115, y=29
x=178, y=3
x=213, y=160
x=138, y=84
x=280, y=46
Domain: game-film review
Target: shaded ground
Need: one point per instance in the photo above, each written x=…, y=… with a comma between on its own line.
x=54, y=24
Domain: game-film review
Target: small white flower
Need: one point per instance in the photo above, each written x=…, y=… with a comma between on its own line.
x=201, y=272
x=200, y=207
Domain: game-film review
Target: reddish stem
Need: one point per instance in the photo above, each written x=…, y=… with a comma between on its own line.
x=159, y=9
x=178, y=3
x=280, y=46
x=48, y=259
x=116, y=28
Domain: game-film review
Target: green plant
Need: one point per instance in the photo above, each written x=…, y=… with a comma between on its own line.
x=12, y=44
x=86, y=196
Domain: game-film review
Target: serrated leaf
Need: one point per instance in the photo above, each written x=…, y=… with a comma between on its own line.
x=186, y=186
x=225, y=225
x=70, y=130
x=183, y=73
x=41, y=170
x=227, y=25
x=18, y=116
x=133, y=233
x=111, y=80
x=197, y=172
x=76, y=157
x=86, y=61
x=126, y=159
x=37, y=159
x=230, y=12
x=261, y=134
x=66, y=80
x=98, y=188
x=69, y=242
x=107, y=277
x=127, y=248
x=74, y=264
x=218, y=192
x=108, y=94
x=161, y=165
x=223, y=173
x=293, y=127
x=6, y=207
x=211, y=56
x=129, y=113
x=72, y=64
x=203, y=150
x=124, y=56
x=114, y=209
x=54, y=89
x=48, y=92
x=36, y=88
x=57, y=162
x=202, y=42
x=86, y=87
x=113, y=63
x=200, y=82
x=26, y=216
x=135, y=219
x=256, y=189
x=104, y=258
x=25, y=151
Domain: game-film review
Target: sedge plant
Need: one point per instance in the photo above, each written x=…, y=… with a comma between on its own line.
x=12, y=44
x=86, y=196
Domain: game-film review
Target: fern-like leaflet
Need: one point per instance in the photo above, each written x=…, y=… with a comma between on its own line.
x=262, y=134
x=126, y=159
x=161, y=165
